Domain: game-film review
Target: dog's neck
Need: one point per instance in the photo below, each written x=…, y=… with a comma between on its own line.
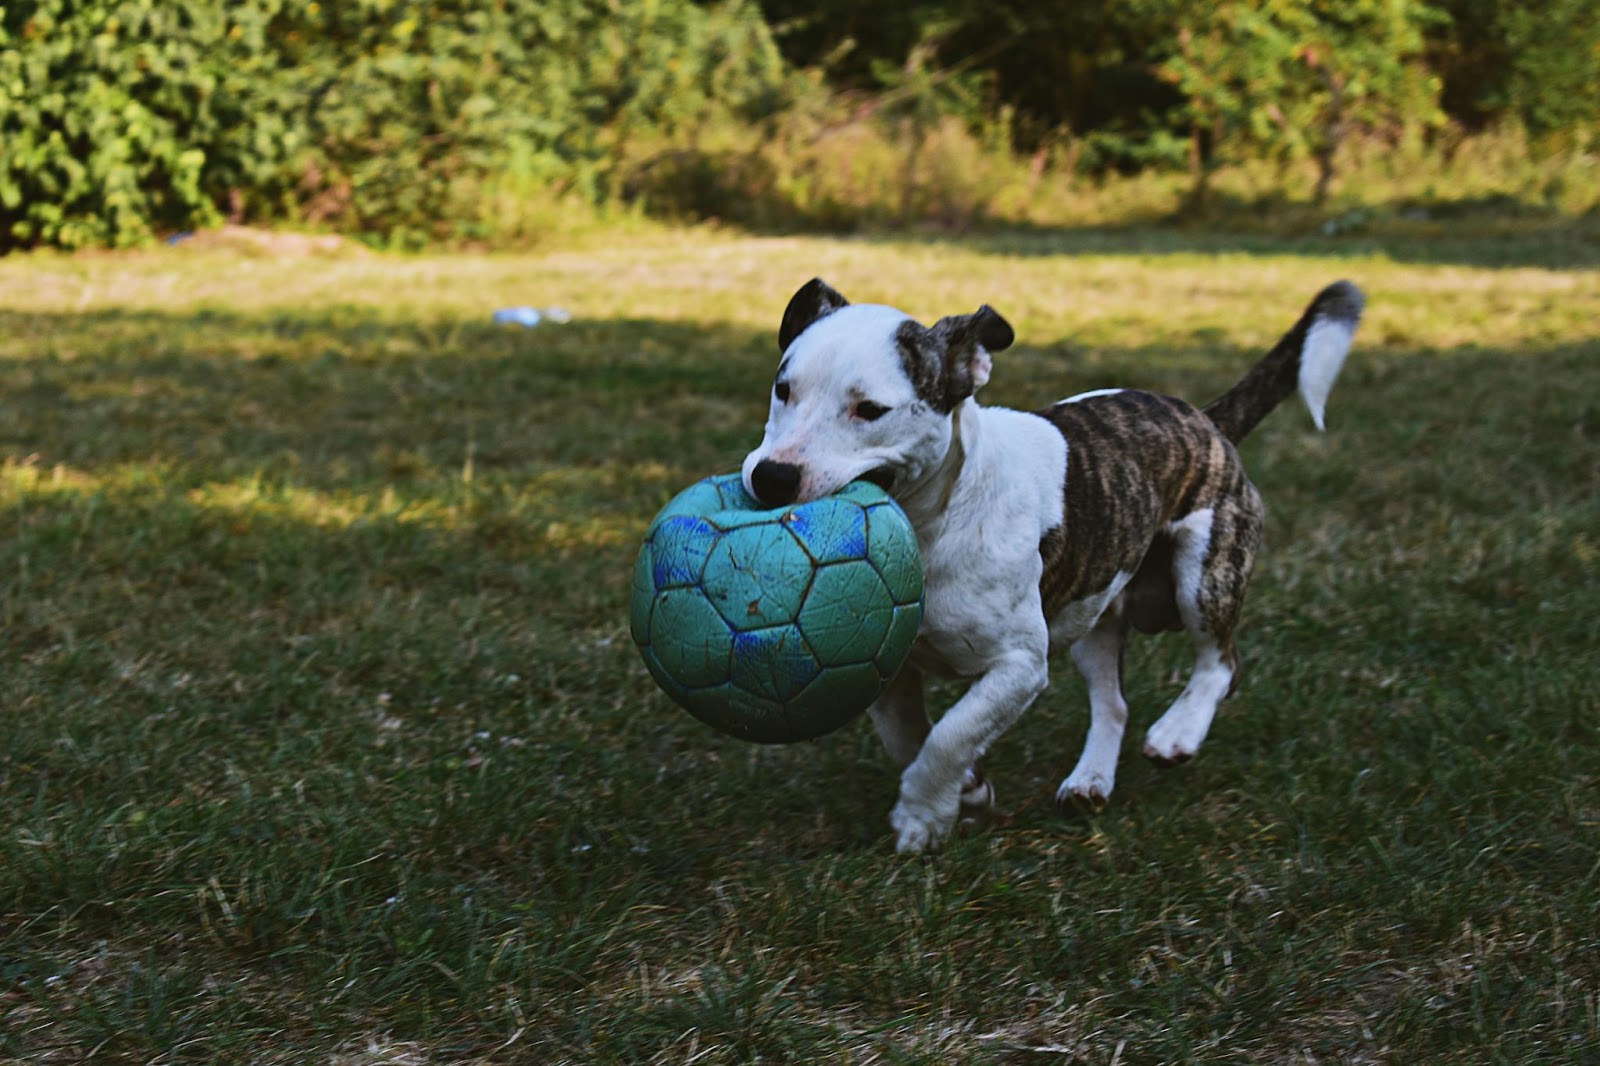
x=929, y=497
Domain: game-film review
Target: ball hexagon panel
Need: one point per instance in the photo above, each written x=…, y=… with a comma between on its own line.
x=700, y=499
x=663, y=677
x=840, y=692
x=832, y=530
x=679, y=547
x=731, y=710
x=896, y=647
x=864, y=493
x=757, y=576
x=730, y=489
x=713, y=706
x=846, y=613
x=774, y=664
x=892, y=547
x=726, y=520
x=689, y=638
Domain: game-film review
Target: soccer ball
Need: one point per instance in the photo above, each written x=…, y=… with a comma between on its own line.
x=776, y=625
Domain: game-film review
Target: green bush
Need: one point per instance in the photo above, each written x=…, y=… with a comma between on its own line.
x=125, y=118
x=99, y=106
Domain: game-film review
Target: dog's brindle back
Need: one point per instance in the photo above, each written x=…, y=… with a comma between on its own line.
x=1137, y=463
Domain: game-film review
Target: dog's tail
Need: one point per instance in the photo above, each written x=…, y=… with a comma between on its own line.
x=1308, y=358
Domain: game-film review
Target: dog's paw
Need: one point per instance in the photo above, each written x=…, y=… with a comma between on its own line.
x=915, y=833
x=977, y=797
x=1084, y=791
x=1166, y=759
x=919, y=828
x=1167, y=746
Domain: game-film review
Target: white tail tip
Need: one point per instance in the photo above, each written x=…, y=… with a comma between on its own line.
x=1326, y=345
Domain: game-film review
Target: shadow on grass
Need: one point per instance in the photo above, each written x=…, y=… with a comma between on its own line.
x=346, y=396
x=1493, y=231
x=1550, y=244
x=347, y=399
x=281, y=533
x=171, y=465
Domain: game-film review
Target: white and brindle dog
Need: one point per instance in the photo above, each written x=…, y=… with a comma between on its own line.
x=1059, y=528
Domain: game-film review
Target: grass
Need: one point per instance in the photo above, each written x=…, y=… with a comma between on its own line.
x=323, y=738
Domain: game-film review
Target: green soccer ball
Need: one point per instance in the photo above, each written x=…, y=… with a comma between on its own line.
x=776, y=625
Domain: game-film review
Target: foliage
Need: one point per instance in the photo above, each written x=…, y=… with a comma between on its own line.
x=1294, y=78
x=1535, y=63
x=1094, y=67
x=1080, y=67
x=414, y=121
x=125, y=117
x=1554, y=82
x=417, y=112
x=104, y=116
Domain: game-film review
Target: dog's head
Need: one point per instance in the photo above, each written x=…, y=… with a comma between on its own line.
x=865, y=392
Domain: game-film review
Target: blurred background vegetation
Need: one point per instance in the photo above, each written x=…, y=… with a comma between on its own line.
x=415, y=122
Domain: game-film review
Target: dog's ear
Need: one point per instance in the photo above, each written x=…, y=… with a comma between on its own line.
x=815, y=299
x=967, y=341
x=991, y=330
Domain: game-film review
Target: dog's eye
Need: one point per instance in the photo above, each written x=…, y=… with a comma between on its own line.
x=868, y=411
x=781, y=391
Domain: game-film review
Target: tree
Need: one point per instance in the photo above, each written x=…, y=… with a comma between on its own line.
x=1295, y=78
x=1537, y=62
x=1554, y=82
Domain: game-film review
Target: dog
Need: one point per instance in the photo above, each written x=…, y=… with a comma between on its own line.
x=1066, y=527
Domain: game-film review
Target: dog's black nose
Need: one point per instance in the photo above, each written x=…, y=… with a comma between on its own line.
x=775, y=483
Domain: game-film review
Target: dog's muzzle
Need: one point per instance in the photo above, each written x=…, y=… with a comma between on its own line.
x=775, y=484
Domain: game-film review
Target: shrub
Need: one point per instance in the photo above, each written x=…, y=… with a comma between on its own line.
x=99, y=105
x=124, y=118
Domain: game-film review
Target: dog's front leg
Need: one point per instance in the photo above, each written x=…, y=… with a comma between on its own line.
x=931, y=787
x=900, y=716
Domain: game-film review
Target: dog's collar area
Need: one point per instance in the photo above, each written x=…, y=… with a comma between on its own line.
x=955, y=459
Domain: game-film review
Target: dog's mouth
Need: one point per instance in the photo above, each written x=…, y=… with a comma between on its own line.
x=882, y=476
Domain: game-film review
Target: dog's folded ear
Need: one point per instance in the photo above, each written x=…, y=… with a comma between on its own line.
x=967, y=341
x=815, y=299
x=983, y=327
x=992, y=331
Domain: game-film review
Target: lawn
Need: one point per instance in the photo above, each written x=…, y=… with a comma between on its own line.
x=322, y=737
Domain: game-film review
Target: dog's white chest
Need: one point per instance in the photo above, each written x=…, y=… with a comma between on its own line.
x=960, y=630
x=980, y=555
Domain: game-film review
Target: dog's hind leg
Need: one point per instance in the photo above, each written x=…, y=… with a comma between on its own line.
x=900, y=716
x=1212, y=555
x=1098, y=656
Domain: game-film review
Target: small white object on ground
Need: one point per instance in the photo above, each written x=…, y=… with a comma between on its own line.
x=531, y=316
